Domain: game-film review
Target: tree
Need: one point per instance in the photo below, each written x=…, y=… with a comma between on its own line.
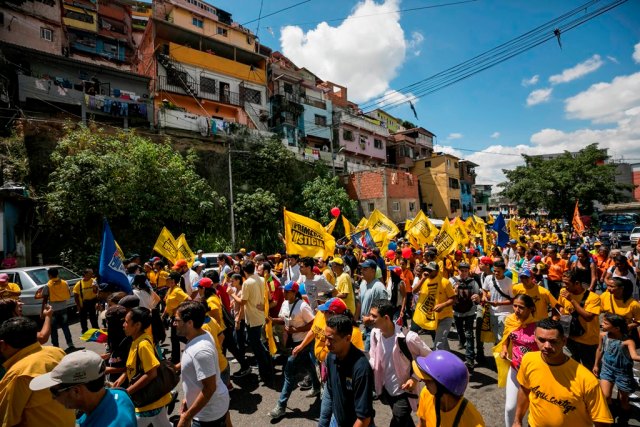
x=137, y=184
x=556, y=184
x=258, y=219
x=324, y=193
x=409, y=125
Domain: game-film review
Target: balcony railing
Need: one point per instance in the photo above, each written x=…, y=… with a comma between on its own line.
x=315, y=102
x=167, y=85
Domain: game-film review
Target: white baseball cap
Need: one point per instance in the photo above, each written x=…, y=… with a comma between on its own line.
x=79, y=367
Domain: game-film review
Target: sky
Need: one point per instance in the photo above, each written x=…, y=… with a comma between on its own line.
x=548, y=99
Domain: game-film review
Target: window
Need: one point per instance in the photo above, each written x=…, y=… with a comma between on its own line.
x=372, y=207
x=177, y=78
x=448, y=163
x=454, y=204
x=455, y=165
x=84, y=17
x=412, y=206
x=46, y=34
x=253, y=96
x=110, y=48
x=248, y=40
x=347, y=135
x=321, y=120
x=207, y=85
x=453, y=183
x=427, y=164
x=197, y=22
x=377, y=143
x=287, y=87
x=396, y=206
x=222, y=32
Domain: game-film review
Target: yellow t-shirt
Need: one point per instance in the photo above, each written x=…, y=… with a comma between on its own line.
x=591, y=335
x=10, y=290
x=213, y=327
x=87, y=289
x=328, y=274
x=153, y=278
x=143, y=349
x=427, y=412
x=562, y=395
x=173, y=299
x=162, y=279
x=320, y=346
x=440, y=289
x=541, y=297
x=58, y=290
x=629, y=309
x=343, y=285
x=215, y=308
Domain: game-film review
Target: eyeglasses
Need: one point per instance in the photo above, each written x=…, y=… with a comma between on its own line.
x=55, y=392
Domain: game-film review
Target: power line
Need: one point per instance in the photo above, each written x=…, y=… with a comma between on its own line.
x=495, y=56
x=276, y=12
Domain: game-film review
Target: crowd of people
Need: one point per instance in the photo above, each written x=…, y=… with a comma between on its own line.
x=561, y=311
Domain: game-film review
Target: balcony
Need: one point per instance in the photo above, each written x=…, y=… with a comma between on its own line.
x=361, y=123
x=166, y=84
x=48, y=90
x=314, y=102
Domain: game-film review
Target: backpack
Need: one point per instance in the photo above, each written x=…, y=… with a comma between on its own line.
x=464, y=291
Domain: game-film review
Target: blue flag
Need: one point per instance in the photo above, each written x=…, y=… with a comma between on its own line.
x=501, y=227
x=111, y=268
x=363, y=239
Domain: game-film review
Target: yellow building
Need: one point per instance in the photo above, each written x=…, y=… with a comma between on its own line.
x=439, y=178
x=81, y=15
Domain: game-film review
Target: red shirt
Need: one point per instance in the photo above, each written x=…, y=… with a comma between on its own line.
x=275, y=294
x=222, y=293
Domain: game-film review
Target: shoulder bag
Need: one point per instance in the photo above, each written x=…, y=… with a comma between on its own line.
x=167, y=378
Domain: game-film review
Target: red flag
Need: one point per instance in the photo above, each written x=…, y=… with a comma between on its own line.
x=578, y=226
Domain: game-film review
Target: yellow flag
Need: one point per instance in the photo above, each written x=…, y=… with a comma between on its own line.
x=471, y=225
x=490, y=219
x=462, y=238
x=166, y=245
x=445, y=241
x=514, y=233
x=184, y=251
x=268, y=327
x=120, y=251
x=408, y=223
x=378, y=222
x=329, y=227
x=349, y=229
x=422, y=231
x=380, y=238
x=306, y=237
x=361, y=225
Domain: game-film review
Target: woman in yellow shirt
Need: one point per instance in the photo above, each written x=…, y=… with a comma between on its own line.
x=142, y=354
x=617, y=299
x=175, y=296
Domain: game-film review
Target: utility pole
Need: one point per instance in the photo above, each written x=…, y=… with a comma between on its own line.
x=232, y=217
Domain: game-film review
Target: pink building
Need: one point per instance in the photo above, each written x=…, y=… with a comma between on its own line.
x=33, y=24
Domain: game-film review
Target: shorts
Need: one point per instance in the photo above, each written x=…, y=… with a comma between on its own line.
x=622, y=379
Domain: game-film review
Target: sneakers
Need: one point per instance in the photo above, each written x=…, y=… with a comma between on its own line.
x=277, y=412
x=313, y=393
x=305, y=384
x=242, y=372
x=469, y=364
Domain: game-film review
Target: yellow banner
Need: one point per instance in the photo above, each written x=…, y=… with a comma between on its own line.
x=184, y=251
x=422, y=231
x=329, y=227
x=471, y=225
x=166, y=245
x=361, y=225
x=462, y=238
x=349, y=229
x=445, y=241
x=378, y=222
x=380, y=238
x=306, y=237
x=514, y=233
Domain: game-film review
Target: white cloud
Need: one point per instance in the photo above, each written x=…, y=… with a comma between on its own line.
x=621, y=137
x=394, y=97
x=636, y=53
x=613, y=59
x=495, y=135
x=416, y=41
x=362, y=54
x=454, y=135
x=530, y=82
x=539, y=96
x=606, y=102
x=581, y=69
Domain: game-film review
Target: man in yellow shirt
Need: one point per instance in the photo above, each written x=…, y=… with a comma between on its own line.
x=344, y=287
x=24, y=359
x=541, y=296
x=57, y=292
x=8, y=289
x=556, y=389
x=85, y=293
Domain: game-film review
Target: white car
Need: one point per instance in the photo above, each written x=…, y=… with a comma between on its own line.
x=634, y=236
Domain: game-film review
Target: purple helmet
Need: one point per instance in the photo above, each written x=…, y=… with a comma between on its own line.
x=446, y=369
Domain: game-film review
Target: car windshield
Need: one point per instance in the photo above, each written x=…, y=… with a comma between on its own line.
x=40, y=276
x=619, y=220
x=635, y=230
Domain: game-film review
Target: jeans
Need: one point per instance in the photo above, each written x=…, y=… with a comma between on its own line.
x=441, y=342
x=326, y=409
x=175, y=344
x=366, y=336
x=295, y=364
x=88, y=309
x=220, y=422
x=464, y=325
x=159, y=420
x=240, y=336
x=400, y=409
x=583, y=353
x=60, y=320
x=230, y=344
x=263, y=358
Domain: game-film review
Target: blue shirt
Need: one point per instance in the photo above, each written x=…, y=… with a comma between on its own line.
x=114, y=410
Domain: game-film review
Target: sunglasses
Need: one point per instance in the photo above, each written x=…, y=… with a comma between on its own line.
x=55, y=392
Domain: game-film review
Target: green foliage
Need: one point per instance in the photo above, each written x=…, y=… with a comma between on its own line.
x=407, y=124
x=137, y=184
x=15, y=162
x=556, y=184
x=323, y=193
x=257, y=215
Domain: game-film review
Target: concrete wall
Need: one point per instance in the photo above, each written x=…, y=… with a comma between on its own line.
x=23, y=30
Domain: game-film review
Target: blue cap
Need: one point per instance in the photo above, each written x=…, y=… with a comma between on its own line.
x=513, y=241
x=525, y=273
x=291, y=286
x=369, y=264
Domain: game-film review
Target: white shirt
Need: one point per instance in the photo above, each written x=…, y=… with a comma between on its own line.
x=314, y=286
x=200, y=361
x=292, y=272
x=190, y=277
x=505, y=284
x=391, y=383
x=144, y=297
x=301, y=315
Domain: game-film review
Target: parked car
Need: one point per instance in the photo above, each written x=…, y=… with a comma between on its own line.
x=32, y=279
x=634, y=236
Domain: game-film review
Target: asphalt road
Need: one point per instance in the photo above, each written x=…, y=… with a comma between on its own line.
x=250, y=402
